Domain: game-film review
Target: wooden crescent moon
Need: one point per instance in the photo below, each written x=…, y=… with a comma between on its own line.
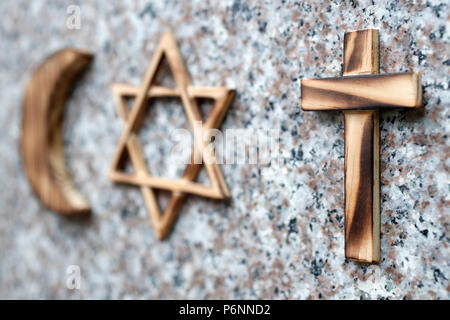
x=42, y=147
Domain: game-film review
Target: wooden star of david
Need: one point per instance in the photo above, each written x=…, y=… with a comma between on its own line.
x=129, y=142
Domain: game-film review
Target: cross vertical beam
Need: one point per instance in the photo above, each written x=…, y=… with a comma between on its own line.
x=362, y=151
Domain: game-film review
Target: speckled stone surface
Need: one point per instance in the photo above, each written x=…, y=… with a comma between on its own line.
x=282, y=234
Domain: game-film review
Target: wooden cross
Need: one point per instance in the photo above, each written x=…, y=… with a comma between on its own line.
x=360, y=94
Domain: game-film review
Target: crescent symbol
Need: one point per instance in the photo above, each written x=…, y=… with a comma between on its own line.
x=41, y=143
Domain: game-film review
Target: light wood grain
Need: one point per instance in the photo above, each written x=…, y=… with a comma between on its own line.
x=362, y=92
x=361, y=52
x=41, y=142
x=362, y=188
x=129, y=142
x=127, y=90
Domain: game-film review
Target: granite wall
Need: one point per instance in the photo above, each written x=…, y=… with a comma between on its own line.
x=282, y=234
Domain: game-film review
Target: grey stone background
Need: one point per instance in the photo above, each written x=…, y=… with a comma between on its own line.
x=281, y=236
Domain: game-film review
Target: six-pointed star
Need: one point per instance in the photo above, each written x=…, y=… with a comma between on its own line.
x=129, y=140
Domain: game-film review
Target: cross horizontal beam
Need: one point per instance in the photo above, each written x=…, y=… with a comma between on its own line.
x=401, y=90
